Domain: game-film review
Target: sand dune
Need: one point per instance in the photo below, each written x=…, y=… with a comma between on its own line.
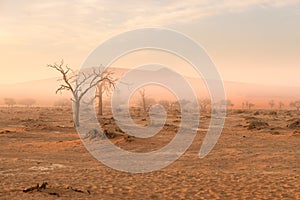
x=44, y=90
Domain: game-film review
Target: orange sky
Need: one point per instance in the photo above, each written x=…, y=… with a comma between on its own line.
x=255, y=41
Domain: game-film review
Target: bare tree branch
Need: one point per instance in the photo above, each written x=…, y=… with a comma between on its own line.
x=80, y=83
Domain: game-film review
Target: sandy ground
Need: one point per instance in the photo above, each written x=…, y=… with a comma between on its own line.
x=256, y=157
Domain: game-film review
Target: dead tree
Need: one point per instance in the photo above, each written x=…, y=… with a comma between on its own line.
x=295, y=104
x=143, y=99
x=250, y=105
x=280, y=105
x=10, y=102
x=146, y=102
x=227, y=103
x=104, y=86
x=271, y=103
x=165, y=103
x=204, y=103
x=27, y=102
x=62, y=103
x=79, y=83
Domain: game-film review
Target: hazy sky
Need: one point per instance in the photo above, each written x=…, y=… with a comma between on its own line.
x=254, y=41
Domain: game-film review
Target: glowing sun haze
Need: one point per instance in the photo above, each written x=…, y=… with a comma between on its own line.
x=255, y=41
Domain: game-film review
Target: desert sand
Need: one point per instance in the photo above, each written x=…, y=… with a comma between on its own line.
x=256, y=157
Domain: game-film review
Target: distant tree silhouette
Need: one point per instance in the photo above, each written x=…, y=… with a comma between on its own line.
x=204, y=103
x=183, y=102
x=247, y=105
x=227, y=103
x=143, y=99
x=250, y=105
x=280, y=104
x=146, y=102
x=62, y=103
x=271, y=103
x=10, y=102
x=174, y=105
x=165, y=104
x=27, y=102
x=150, y=102
x=295, y=104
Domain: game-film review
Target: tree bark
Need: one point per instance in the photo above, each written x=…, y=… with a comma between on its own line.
x=100, y=99
x=76, y=113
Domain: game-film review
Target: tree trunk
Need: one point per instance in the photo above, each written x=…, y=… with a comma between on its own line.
x=100, y=99
x=76, y=113
x=144, y=104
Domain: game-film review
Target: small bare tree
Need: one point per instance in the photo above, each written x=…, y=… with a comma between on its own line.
x=165, y=104
x=174, y=106
x=280, y=104
x=145, y=101
x=62, y=103
x=271, y=103
x=104, y=86
x=183, y=102
x=204, y=103
x=79, y=84
x=10, y=102
x=27, y=102
x=295, y=104
x=250, y=105
x=230, y=104
x=227, y=103
x=245, y=105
